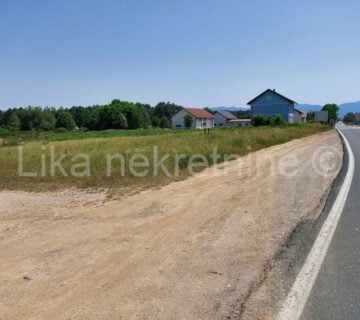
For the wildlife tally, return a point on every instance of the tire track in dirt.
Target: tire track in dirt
(190, 249)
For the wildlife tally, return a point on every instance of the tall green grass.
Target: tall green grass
(226, 141)
(19, 137)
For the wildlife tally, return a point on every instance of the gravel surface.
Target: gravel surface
(189, 250)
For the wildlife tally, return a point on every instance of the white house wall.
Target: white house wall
(220, 120)
(204, 123)
(177, 121)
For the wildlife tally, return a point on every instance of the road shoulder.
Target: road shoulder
(195, 247)
(268, 296)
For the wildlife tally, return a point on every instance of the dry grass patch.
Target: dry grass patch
(37, 157)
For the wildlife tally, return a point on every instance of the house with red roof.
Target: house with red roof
(201, 119)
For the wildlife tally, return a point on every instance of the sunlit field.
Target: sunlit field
(37, 159)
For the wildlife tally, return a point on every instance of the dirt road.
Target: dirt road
(189, 250)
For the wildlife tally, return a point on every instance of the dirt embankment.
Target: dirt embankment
(189, 250)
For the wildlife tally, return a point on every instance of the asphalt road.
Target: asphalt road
(336, 292)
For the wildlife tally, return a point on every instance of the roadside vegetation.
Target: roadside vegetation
(331, 108)
(36, 155)
(350, 118)
(277, 120)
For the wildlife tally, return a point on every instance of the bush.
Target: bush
(350, 118)
(267, 121)
(164, 123)
(278, 120)
(47, 122)
(188, 120)
(259, 120)
(65, 120)
(60, 130)
(6, 132)
(11, 120)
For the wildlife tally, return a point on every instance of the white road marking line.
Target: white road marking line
(300, 291)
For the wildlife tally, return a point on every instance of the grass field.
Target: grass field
(16, 138)
(36, 155)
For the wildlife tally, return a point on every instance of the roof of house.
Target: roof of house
(273, 91)
(200, 113)
(302, 112)
(240, 120)
(227, 115)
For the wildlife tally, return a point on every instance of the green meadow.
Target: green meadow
(57, 160)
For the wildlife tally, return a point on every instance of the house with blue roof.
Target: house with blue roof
(271, 103)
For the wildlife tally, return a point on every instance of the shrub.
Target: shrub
(11, 120)
(65, 120)
(164, 123)
(47, 122)
(350, 118)
(60, 130)
(188, 120)
(278, 120)
(267, 121)
(258, 120)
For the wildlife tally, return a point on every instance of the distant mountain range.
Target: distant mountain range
(344, 107)
(308, 107)
(349, 107)
(231, 108)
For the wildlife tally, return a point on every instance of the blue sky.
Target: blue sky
(192, 52)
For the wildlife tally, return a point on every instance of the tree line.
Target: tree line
(115, 115)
